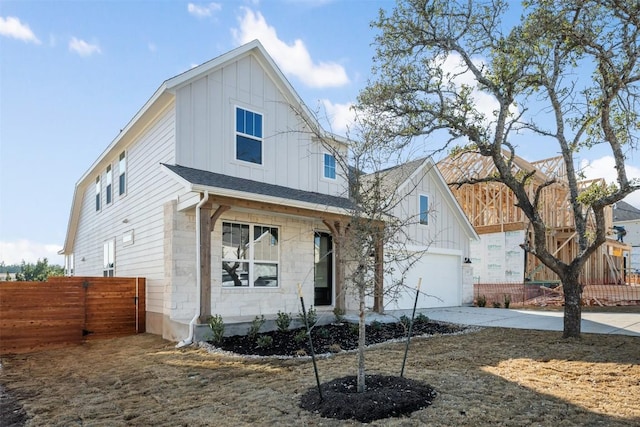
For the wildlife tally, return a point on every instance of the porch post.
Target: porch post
(205, 263)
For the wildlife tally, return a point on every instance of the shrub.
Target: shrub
(405, 321)
(481, 301)
(301, 336)
(312, 316)
(322, 333)
(216, 324)
(422, 318)
(264, 341)
(507, 301)
(354, 328)
(283, 321)
(376, 326)
(496, 304)
(339, 314)
(256, 324)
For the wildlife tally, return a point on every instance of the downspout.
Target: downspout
(192, 324)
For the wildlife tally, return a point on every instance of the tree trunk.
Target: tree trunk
(572, 305)
(361, 340)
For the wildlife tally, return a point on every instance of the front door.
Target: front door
(323, 268)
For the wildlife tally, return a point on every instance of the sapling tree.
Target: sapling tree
(374, 237)
(565, 74)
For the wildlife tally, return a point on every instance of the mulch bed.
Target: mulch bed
(331, 338)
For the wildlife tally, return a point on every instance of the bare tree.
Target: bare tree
(541, 62)
(374, 239)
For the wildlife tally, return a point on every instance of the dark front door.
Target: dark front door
(323, 268)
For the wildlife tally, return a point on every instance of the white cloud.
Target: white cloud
(604, 167)
(17, 251)
(340, 116)
(12, 27)
(294, 59)
(202, 11)
(83, 48)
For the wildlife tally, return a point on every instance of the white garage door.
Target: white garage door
(441, 284)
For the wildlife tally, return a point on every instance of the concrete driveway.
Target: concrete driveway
(592, 323)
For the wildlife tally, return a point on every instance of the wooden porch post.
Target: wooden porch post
(208, 222)
(205, 263)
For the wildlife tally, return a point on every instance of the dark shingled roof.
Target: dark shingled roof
(211, 179)
(623, 211)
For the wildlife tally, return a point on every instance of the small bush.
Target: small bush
(255, 327)
(322, 333)
(422, 318)
(496, 304)
(481, 301)
(300, 337)
(507, 301)
(405, 321)
(335, 348)
(354, 328)
(216, 324)
(375, 325)
(264, 341)
(339, 314)
(283, 321)
(312, 316)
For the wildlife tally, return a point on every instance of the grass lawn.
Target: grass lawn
(490, 376)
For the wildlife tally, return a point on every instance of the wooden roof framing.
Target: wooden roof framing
(492, 207)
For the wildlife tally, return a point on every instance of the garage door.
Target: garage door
(441, 278)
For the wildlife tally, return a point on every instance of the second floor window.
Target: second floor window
(424, 209)
(97, 193)
(248, 136)
(329, 166)
(122, 170)
(109, 179)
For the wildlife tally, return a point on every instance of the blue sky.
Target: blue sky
(73, 73)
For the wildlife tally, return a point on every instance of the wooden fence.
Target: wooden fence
(68, 310)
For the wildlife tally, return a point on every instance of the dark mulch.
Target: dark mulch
(331, 338)
(384, 397)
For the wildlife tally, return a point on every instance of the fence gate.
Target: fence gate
(113, 307)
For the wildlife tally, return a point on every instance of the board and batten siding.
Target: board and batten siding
(205, 129)
(139, 211)
(444, 230)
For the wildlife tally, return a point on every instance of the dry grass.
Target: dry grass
(489, 377)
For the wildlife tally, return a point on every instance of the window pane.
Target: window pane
(257, 125)
(240, 120)
(121, 183)
(329, 166)
(122, 166)
(249, 150)
(424, 210)
(265, 243)
(235, 274)
(248, 126)
(235, 241)
(108, 193)
(265, 275)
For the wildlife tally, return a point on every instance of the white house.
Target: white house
(627, 216)
(218, 195)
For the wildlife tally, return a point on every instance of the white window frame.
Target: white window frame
(236, 134)
(324, 166)
(109, 258)
(420, 212)
(251, 260)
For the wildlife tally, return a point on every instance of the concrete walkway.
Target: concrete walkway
(592, 323)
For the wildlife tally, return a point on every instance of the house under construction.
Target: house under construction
(491, 208)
